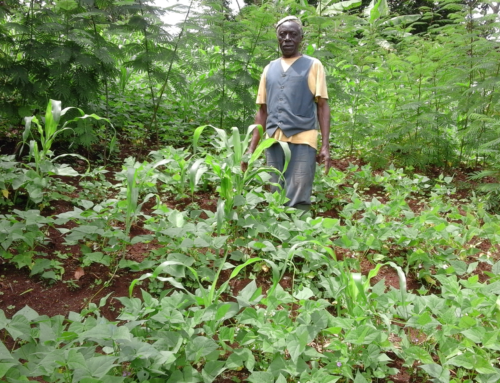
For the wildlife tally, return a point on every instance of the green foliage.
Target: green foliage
(414, 83)
(54, 52)
(306, 309)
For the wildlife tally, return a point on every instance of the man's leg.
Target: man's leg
(276, 158)
(299, 176)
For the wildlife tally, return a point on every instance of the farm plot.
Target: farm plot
(183, 268)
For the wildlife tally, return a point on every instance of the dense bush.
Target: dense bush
(419, 88)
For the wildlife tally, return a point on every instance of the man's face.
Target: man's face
(289, 38)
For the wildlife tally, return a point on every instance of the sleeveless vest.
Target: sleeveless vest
(290, 102)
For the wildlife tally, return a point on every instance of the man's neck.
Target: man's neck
(292, 56)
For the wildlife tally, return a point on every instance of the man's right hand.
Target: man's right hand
(244, 166)
(260, 119)
(244, 161)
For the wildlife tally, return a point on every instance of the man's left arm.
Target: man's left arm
(324, 126)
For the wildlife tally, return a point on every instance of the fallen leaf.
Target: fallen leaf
(79, 273)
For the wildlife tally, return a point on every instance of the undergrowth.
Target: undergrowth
(323, 316)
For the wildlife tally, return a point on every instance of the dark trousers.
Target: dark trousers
(298, 177)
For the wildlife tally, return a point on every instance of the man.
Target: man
(293, 100)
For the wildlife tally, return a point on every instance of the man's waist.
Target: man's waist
(307, 137)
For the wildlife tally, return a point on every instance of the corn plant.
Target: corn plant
(137, 178)
(40, 148)
(195, 172)
(179, 169)
(233, 181)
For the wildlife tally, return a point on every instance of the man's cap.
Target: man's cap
(293, 19)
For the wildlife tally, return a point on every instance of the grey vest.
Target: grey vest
(290, 102)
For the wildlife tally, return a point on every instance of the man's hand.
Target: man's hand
(260, 118)
(244, 166)
(249, 152)
(324, 157)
